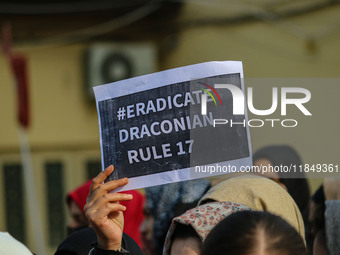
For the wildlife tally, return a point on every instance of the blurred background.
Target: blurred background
(71, 46)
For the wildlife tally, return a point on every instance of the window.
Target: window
(55, 202)
(14, 201)
(93, 168)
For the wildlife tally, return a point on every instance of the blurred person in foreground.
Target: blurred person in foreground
(10, 246)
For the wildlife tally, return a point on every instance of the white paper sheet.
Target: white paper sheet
(150, 145)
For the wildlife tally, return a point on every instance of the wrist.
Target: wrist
(109, 245)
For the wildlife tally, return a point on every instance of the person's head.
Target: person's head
(188, 231)
(253, 233)
(76, 200)
(260, 194)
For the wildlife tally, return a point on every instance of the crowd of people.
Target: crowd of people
(237, 214)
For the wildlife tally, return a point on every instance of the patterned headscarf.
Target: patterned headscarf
(203, 219)
(164, 200)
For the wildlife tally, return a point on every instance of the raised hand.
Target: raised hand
(104, 212)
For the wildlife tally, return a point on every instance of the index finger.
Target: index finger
(100, 178)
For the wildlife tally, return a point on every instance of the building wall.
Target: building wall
(63, 130)
(272, 54)
(64, 125)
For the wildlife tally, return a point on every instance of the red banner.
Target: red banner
(19, 67)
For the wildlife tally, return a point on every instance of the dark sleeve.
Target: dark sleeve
(80, 243)
(129, 247)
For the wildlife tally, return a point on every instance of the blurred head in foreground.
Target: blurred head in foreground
(9, 245)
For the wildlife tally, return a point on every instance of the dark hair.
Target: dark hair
(243, 232)
(184, 231)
